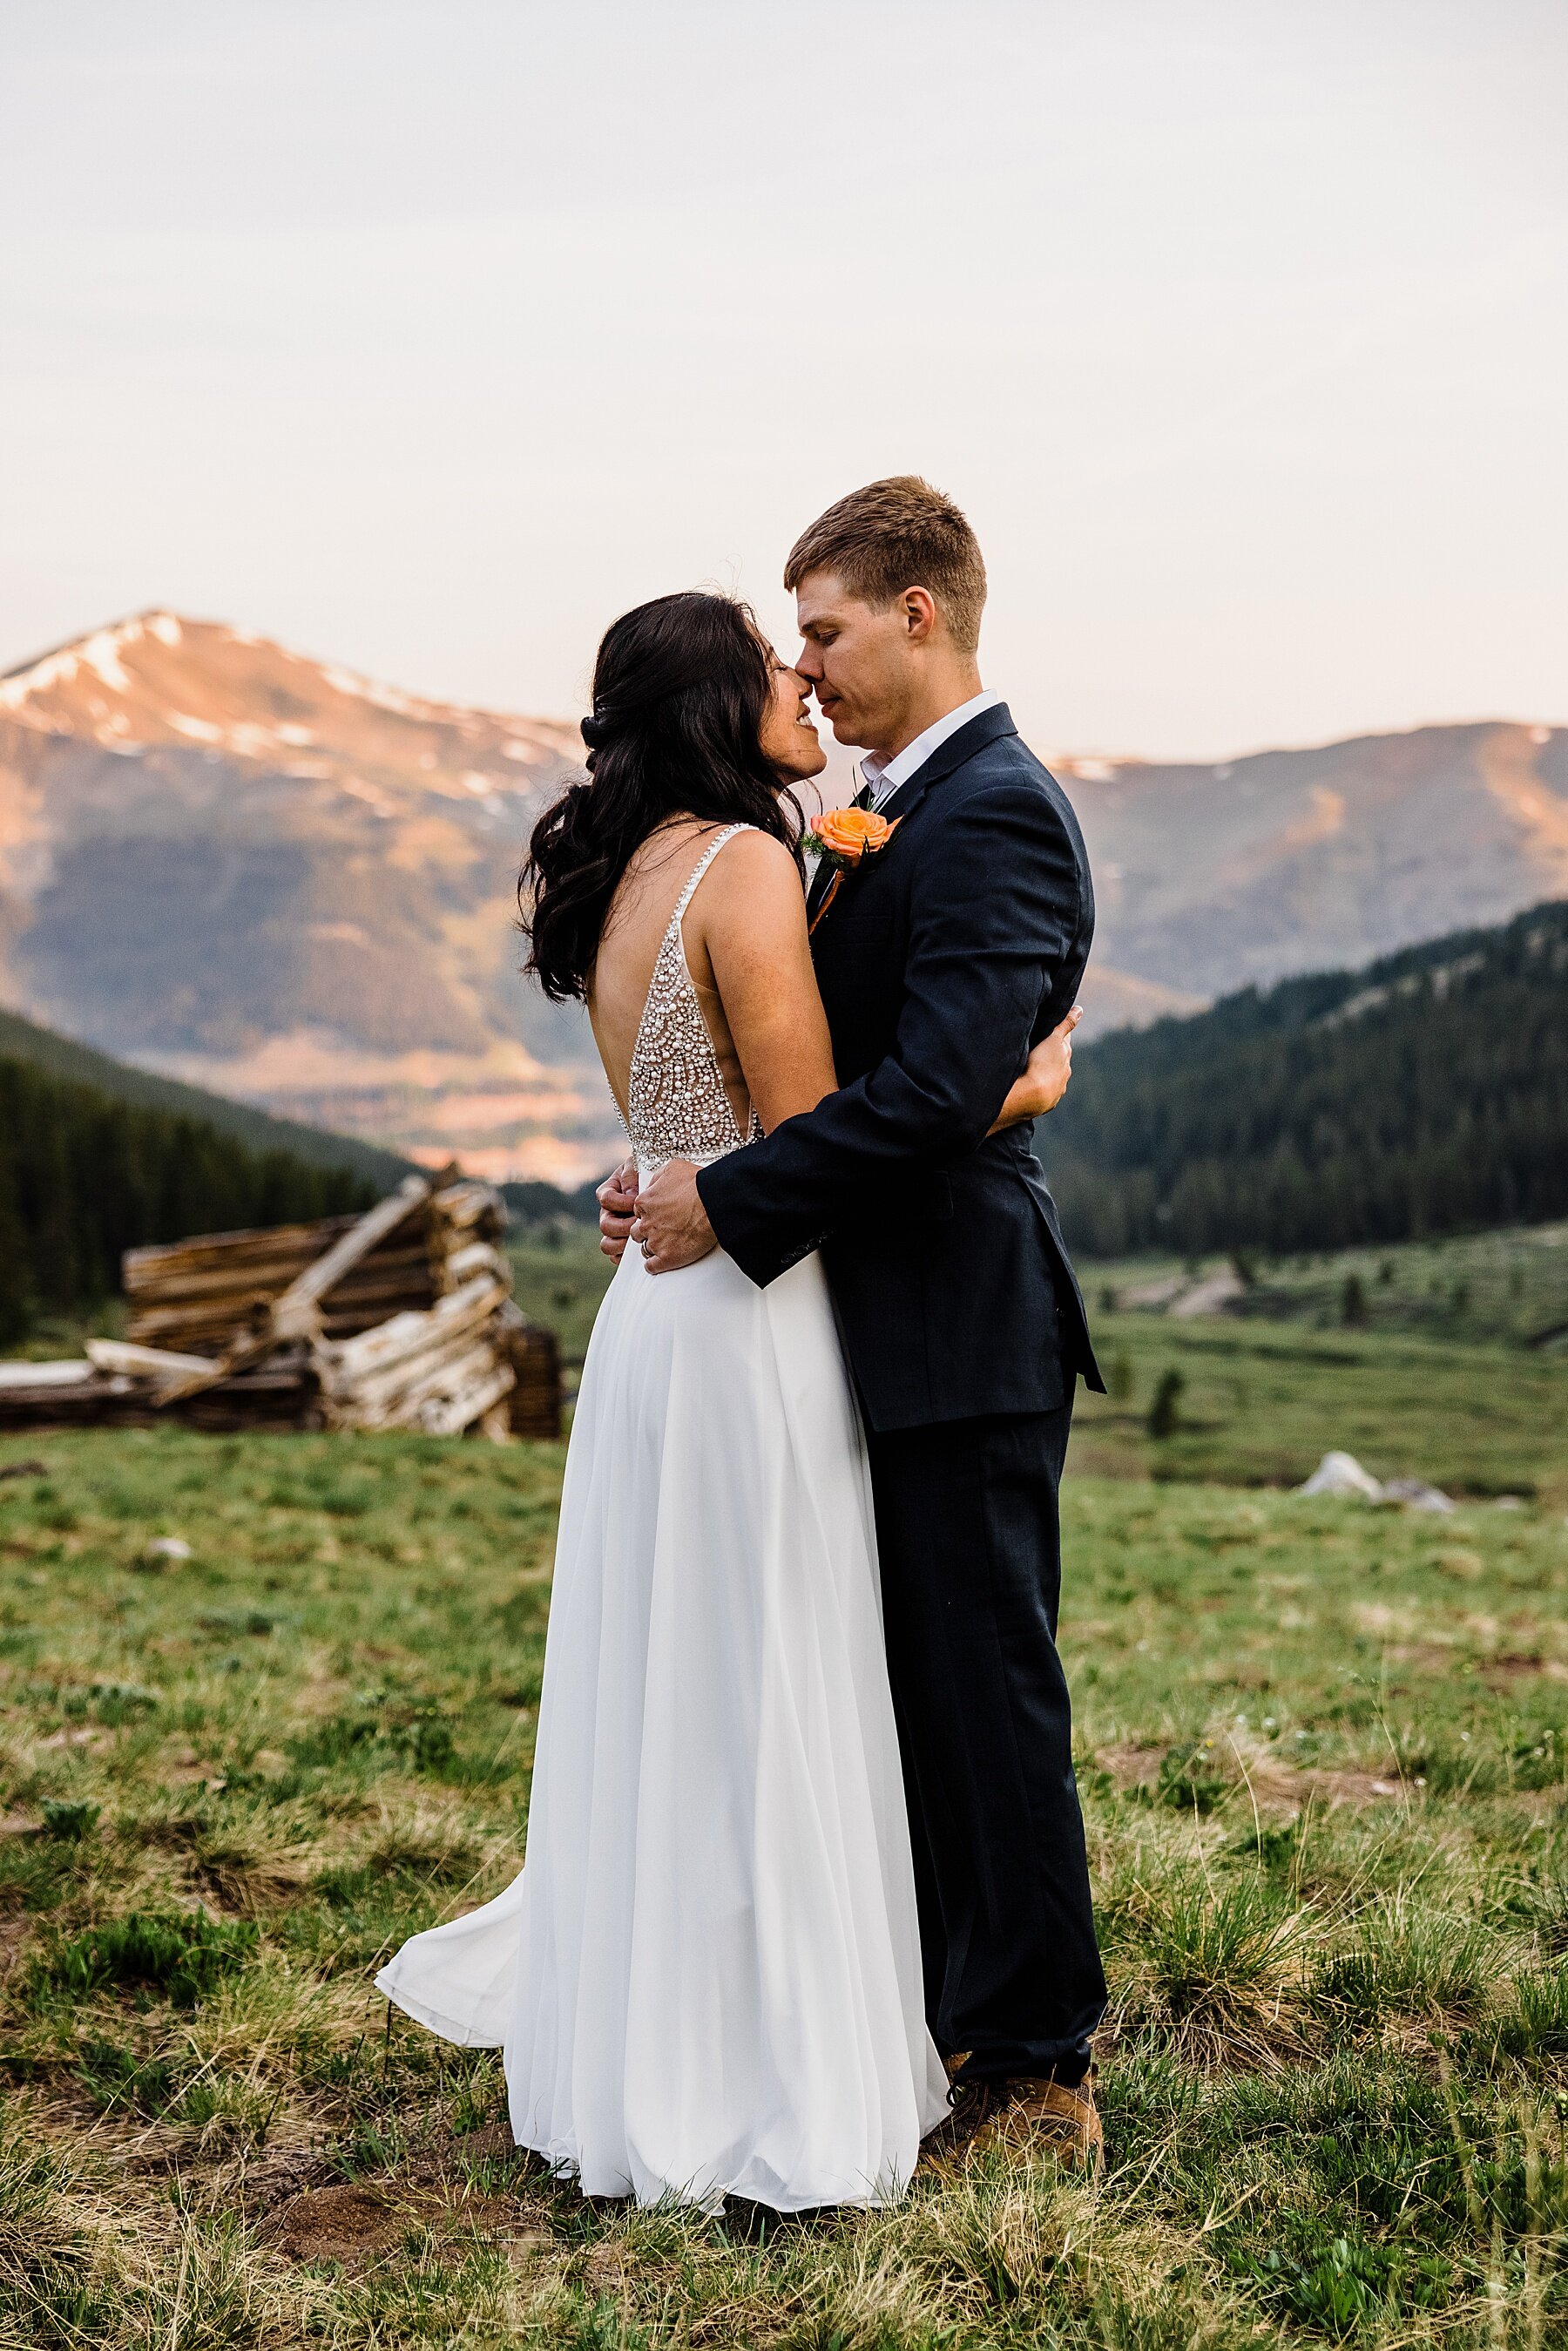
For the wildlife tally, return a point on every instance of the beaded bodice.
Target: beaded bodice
(677, 1107)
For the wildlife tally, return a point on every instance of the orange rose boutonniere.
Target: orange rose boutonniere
(844, 838)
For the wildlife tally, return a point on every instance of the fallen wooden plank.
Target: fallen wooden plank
(71, 1374)
(448, 1416)
(124, 1356)
(319, 1278)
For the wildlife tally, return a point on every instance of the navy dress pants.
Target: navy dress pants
(968, 1532)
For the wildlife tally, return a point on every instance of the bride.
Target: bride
(707, 1979)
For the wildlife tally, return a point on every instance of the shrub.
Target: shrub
(184, 1953)
(68, 1819)
(1163, 1417)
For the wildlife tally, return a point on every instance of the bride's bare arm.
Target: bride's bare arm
(752, 927)
(754, 931)
(748, 927)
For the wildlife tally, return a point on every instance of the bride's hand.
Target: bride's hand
(1044, 1080)
(617, 1196)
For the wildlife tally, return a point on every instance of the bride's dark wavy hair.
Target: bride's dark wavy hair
(681, 690)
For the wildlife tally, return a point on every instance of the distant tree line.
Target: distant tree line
(537, 1203)
(1425, 1094)
(63, 1056)
(84, 1176)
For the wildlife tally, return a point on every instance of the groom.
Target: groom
(941, 961)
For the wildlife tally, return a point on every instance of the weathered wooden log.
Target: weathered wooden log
(140, 1362)
(534, 1355)
(176, 1329)
(363, 1379)
(295, 1314)
(67, 1375)
(459, 1207)
(475, 1257)
(449, 1415)
(80, 1403)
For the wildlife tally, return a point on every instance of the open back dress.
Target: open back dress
(706, 1979)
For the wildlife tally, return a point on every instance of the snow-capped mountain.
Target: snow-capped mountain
(279, 881)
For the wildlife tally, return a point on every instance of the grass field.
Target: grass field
(1262, 1402)
(1323, 1766)
(1471, 1409)
(1507, 1287)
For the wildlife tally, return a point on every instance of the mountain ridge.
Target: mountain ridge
(1211, 875)
(288, 884)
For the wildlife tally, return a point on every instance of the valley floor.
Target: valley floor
(1322, 1754)
(1435, 1378)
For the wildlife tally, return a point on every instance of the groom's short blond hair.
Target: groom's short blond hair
(893, 535)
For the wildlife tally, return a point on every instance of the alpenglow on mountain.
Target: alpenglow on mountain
(274, 879)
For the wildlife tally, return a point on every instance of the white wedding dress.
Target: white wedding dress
(707, 1979)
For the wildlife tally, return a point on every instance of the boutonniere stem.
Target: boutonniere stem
(845, 837)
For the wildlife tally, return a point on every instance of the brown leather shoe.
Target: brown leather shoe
(1047, 2113)
(971, 2105)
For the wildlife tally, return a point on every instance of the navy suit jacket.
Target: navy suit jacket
(942, 962)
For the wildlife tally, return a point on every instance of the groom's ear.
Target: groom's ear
(920, 614)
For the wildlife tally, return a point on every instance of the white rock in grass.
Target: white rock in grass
(1415, 1494)
(1342, 1473)
(168, 1547)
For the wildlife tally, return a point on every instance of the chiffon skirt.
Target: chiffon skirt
(707, 1979)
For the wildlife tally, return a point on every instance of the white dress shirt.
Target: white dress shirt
(885, 776)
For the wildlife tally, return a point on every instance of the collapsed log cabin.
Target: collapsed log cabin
(402, 1318)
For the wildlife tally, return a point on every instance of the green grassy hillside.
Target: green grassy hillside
(1425, 1094)
(62, 1056)
(85, 1176)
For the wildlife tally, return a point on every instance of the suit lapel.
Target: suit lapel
(818, 890)
(988, 727)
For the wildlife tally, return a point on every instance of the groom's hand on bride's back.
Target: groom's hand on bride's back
(671, 1224)
(617, 1196)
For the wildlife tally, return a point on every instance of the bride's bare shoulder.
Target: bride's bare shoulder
(753, 866)
(752, 891)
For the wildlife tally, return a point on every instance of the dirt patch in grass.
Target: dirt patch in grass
(347, 2223)
(354, 2223)
(1276, 1784)
(1502, 1672)
(1130, 1766)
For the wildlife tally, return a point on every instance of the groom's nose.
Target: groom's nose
(808, 663)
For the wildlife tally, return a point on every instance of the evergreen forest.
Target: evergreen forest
(84, 1175)
(1425, 1094)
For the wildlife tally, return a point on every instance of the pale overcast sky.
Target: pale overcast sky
(427, 337)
